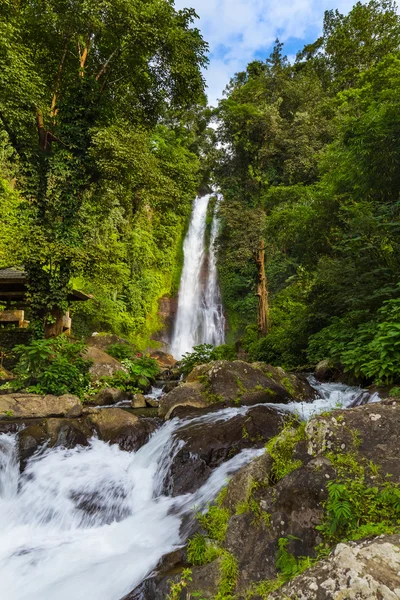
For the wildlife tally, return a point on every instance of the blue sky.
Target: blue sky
(241, 30)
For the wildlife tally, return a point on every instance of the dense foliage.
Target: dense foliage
(102, 122)
(55, 366)
(313, 169)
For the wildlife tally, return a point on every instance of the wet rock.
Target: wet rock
(67, 433)
(29, 440)
(209, 444)
(103, 365)
(118, 426)
(240, 484)
(152, 402)
(365, 570)
(169, 386)
(31, 406)
(158, 585)
(235, 383)
(107, 397)
(138, 401)
(326, 372)
(187, 394)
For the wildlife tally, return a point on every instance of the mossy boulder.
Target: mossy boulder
(365, 570)
(207, 444)
(103, 365)
(282, 494)
(228, 383)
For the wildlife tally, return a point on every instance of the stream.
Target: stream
(92, 522)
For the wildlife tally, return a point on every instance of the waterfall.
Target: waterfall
(200, 318)
(92, 522)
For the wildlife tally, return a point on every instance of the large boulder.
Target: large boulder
(103, 341)
(365, 570)
(121, 427)
(34, 406)
(165, 360)
(274, 498)
(107, 397)
(187, 394)
(207, 444)
(235, 383)
(103, 365)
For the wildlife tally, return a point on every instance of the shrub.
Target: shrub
(206, 353)
(121, 351)
(55, 366)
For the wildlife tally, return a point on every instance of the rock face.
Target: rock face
(103, 365)
(209, 444)
(31, 406)
(265, 507)
(361, 571)
(234, 383)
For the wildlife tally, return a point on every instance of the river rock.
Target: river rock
(365, 570)
(235, 383)
(31, 406)
(103, 365)
(138, 401)
(326, 372)
(121, 427)
(186, 394)
(208, 444)
(293, 507)
(106, 397)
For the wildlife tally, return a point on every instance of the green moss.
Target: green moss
(201, 551)
(177, 588)
(288, 385)
(228, 577)
(281, 449)
(215, 522)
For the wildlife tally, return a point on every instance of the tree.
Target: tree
(78, 67)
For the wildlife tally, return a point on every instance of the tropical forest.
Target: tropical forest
(199, 300)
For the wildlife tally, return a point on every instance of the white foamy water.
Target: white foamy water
(200, 318)
(91, 523)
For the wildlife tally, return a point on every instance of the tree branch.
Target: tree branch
(105, 65)
(53, 111)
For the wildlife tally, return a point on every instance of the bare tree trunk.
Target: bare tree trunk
(84, 56)
(262, 293)
(54, 328)
(53, 110)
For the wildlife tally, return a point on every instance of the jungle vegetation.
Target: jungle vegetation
(310, 165)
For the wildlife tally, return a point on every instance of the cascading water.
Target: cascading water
(92, 522)
(200, 318)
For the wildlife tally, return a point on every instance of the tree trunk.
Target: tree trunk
(54, 328)
(262, 293)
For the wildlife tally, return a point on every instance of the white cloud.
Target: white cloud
(237, 30)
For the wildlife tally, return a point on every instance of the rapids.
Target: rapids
(92, 522)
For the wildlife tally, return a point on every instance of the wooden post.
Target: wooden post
(262, 293)
(54, 328)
